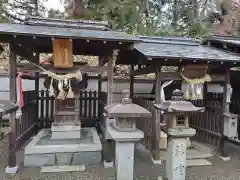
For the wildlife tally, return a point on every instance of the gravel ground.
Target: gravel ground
(143, 170)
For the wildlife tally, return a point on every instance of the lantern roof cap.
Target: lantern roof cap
(126, 109)
(177, 104)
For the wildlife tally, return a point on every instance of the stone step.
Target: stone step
(55, 169)
(67, 113)
(191, 154)
(196, 154)
(198, 162)
(65, 127)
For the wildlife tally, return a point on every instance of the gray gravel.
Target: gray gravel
(143, 170)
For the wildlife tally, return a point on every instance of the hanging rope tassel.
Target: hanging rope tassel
(61, 94)
(187, 94)
(70, 94)
(199, 91)
(51, 90)
(193, 97)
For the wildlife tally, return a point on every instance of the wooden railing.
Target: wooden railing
(26, 126)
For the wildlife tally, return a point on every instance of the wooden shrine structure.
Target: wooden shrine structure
(152, 54)
(144, 55)
(37, 35)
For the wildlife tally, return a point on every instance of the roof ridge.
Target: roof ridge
(77, 24)
(170, 40)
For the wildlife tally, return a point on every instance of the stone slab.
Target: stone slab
(65, 127)
(38, 160)
(33, 148)
(55, 169)
(191, 154)
(88, 158)
(198, 162)
(64, 158)
(66, 134)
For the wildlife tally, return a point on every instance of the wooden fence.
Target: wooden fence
(90, 108)
(207, 124)
(26, 126)
(147, 124)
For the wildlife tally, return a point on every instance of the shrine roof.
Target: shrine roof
(223, 40)
(7, 107)
(55, 28)
(176, 48)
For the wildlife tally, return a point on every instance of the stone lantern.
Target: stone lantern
(178, 131)
(123, 130)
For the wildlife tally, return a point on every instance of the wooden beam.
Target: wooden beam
(25, 52)
(176, 76)
(146, 70)
(24, 67)
(102, 60)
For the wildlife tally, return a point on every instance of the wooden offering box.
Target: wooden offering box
(62, 53)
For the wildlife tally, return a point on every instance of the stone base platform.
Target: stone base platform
(195, 157)
(45, 151)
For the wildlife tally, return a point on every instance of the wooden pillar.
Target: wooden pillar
(13, 98)
(109, 143)
(110, 80)
(205, 93)
(157, 117)
(131, 81)
(37, 93)
(225, 109)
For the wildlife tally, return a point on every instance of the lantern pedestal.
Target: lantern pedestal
(176, 153)
(124, 152)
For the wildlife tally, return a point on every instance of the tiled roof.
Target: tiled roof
(65, 29)
(230, 40)
(181, 48)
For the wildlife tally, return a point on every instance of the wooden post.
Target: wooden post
(225, 109)
(131, 81)
(109, 143)
(205, 93)
(157, 116)
(110, 80)
(37, 93)
(12, 164)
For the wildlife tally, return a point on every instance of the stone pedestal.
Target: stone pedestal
(124, 152)
(124, 160)
(176, 159)
(177, 153)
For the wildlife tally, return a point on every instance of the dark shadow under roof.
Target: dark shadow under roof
(41, 27)
(153, 48)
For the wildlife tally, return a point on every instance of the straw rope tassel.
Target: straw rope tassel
(187, 94)
(61, 94)
(70, 94)
(51, 90)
